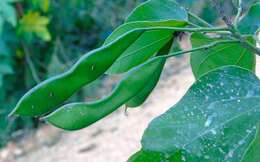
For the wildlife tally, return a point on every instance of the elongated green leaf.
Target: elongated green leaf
(79, 115)
(141, 50)
(215, 121)
(221, 55)
(250, 23)
(253, 152)
(143, 24)
(149, 14)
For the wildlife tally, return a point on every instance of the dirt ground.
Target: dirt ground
(112, 139)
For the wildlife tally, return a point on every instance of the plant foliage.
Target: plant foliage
(216, 120)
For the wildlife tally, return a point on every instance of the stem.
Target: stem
(235, 33)
(30, 64)
(243, 41)
(199, 19)
(205, 47)
(28, 60)
(206, 29)
(239, 12)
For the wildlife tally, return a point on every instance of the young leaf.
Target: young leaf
(34, 24)
(220, 55)
(215, 121)
(250, 23)
(155, 13)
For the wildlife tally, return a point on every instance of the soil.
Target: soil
(112, 139)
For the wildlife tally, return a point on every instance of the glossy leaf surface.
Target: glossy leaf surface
(221, 55)
(215, 121)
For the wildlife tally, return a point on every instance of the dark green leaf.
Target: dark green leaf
(221, 55)
(141, 50)
(150, 156)
(149, 14)
(250, 23)
(158, 10)
(215, 121)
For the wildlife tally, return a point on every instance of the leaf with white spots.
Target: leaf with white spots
(215, 121)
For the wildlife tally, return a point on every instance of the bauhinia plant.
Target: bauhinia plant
(216, 120)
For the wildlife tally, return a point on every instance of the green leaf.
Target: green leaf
(44, 5)
(144, 47)
(221, 55)
(158, 10)
(151, 156)
(149, 14)
(7, 12)
(33, 23)
(143, 24)
(250, 23)
(215, 120)
(1, 25)
(252, 153)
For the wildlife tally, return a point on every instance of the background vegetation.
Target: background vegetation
(40, 38)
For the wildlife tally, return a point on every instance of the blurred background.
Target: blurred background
(41, 38)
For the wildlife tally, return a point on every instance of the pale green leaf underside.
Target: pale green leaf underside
(215, 121)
